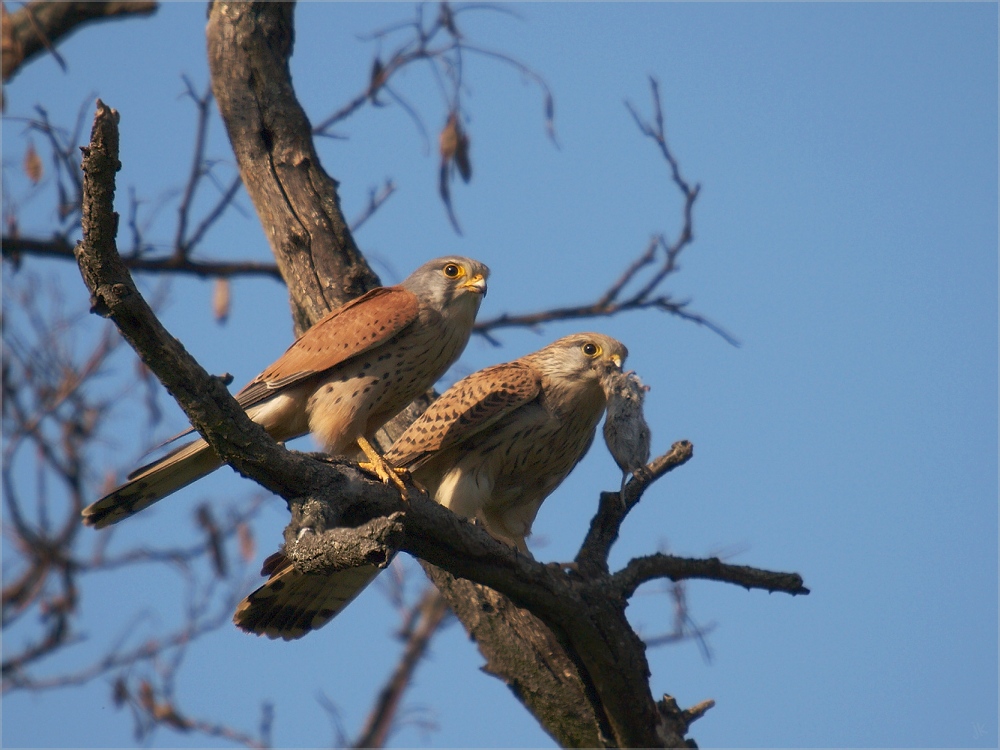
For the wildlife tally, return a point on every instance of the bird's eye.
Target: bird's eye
(453, 271)
(591, 349)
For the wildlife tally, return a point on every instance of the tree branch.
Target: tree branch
(649, 568)
(646, 296)
(58, 247)
(39, 25)
(611, 512)
(429, 613)
(347, 511)
(249, 47)
(205, 400)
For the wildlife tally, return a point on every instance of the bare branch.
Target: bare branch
(40, 25)
(685, 628)
(203, 102)
(375, 202)
(47, 407)
(152, 709)
(649, 568)
(611, 512)
(647, 295)
(16, 247)
(440, 44)
(428, 614)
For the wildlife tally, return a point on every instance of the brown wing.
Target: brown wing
(471, 405)
(360, 325)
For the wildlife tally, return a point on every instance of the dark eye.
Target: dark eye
(591, 349)
(452, 270)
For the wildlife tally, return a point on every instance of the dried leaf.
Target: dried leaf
(221, 300)
(248, 547)
(550, 115)
(448, 140)
(33, 164)
(146, 696)
(454, 145)
(462, 156)
(166, 713)
(216, 547)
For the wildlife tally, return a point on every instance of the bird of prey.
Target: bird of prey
(342, 379)
(492, 448)
(625, 429)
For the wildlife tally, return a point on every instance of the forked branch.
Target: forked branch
(647, 273)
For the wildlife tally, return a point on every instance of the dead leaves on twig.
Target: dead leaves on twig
(454, 149)
(33, 164)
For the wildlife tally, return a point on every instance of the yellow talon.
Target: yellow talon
(378, 466)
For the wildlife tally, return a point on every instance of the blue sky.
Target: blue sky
(847, 235)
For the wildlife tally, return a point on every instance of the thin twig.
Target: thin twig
(647, 295)
(14, 247)
(375, 201)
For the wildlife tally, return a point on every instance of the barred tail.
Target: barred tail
(152, 482)
(293, 603)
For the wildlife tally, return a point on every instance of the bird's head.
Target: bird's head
(583, 356)
(445, 282)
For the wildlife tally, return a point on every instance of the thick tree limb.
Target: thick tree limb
(249, 45)
(522, 652)
(39, 25)
(206, 402)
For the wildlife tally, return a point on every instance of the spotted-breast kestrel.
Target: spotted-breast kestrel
(492, 447)
(625, 429)
(341, 380)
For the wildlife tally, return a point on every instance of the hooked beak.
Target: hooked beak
(617, 360)
(476, 285)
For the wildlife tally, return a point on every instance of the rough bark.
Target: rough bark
(522, 652)
(249, 46)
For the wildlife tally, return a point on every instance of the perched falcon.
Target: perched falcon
(492, 447)
(341, 380)
(625, 429)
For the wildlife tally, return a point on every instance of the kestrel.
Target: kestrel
(342, 379)
(492, 447)
(625, 429)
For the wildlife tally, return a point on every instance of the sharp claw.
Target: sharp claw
(381, 468)
(388, 474)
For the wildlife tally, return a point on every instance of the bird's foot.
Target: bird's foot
(388, 474)
(378, 466)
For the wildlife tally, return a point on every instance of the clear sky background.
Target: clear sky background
(846, 234)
